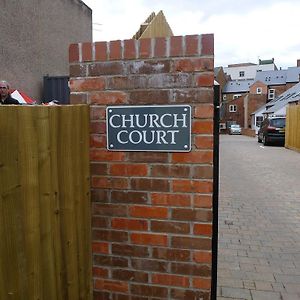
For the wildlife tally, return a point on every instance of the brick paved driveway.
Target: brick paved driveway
(259, 221)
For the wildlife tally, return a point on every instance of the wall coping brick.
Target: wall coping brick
(175, 46)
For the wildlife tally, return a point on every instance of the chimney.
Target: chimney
(298, 62)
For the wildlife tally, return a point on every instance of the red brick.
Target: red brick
(192, 186)
(127, 275)
(81, 98)
(191, 45)
(108, 97)
(146, 184)
(170, 227)
(109, 285)
(202, 283)
(110, 183)
(176, 44)
(160, 47)
(149, 265)
(149, 239)
(98, 169)
(97, 127)
(170, 171)
(190, 269)
(107, 68)
(207, 44)
(191, 243)
(193, 157)
(203, 229)
(204, 111)
(109, 209)
(147, 157)
(202, 257)
(99, 195)
(194, 64)
(148, 212)
(101, 51)
(129, 224)
(74, 53)
(202, 172)
(129, 197)
(97, 113)
(88, 84)
(129, 170)
(205, 80)
(87, 51)
(149, 291)
(129, 49)
(170, 199)
(100, 222)
(130, 250)
(200, 95)
(150, 96)
(115, 51)
(98, 141)
(204, 201)
(79, 70)
(104, 155)
(100, 272)
(204, 142)
(188, 294)
(110, 236)
(191, 215)
(171, 254)
(174, 280)
(203, 127)
(145, 48)
(100, 247)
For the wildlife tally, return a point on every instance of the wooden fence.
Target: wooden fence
(292, 133)
(45, 232)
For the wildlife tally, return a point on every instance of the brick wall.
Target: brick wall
(152, 211)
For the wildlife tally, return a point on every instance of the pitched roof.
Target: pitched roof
(272, 77)
(290, 95)
(238, 86)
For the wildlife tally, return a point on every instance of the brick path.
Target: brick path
(259, 221)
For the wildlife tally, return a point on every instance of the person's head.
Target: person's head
(4, 89)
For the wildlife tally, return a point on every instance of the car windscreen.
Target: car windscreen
(278, 122)
(235, 126)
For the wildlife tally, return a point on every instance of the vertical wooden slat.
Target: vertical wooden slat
(29, 179)
(66, 161)
(45, 249)
(46, 200)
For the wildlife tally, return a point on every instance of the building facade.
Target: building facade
(35, 39)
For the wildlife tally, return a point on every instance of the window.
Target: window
(242, 73)
(232, 108)
(259, 90)
(236, 96)
(271, 94)
(224, 97)
(258, 120)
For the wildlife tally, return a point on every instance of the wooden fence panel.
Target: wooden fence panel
(292, 134)
(45, 223)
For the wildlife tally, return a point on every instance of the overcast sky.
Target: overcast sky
(244, 30)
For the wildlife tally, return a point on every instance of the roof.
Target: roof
(276, 77)
(293, 74)
(238, 86)
(259, 109)
(289, 96)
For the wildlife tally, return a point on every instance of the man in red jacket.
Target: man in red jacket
(5, 97)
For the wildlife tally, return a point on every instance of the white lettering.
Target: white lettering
(153, 119)
(172, 132)
(111, 121)
(161, 136)
(138, 134)
(119, 137)
(162, 122)
(183, 120)
(130, 120)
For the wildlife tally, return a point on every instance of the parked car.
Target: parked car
(272, 130)
(235, 129)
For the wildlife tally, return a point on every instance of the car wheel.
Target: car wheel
(265, 141)
(259, 139)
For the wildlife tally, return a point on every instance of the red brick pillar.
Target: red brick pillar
(152, 211)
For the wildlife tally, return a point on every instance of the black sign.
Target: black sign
(149, 128)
